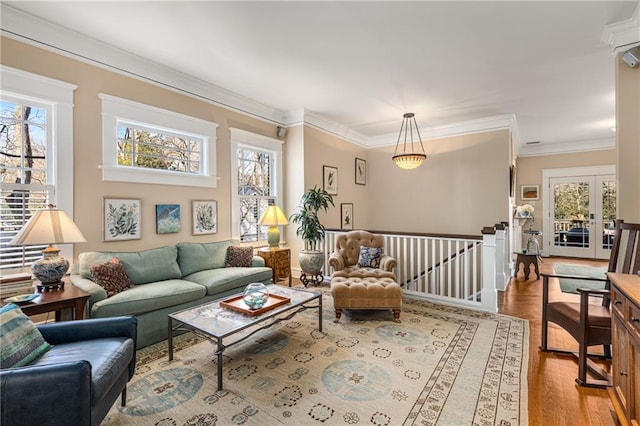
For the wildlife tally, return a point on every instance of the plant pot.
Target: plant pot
(311, 261)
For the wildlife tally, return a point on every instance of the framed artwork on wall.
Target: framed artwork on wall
(330, 179)
(346, 216)
(167, 218)
(529, 192)
(204, 217)
(122, 219)
(361, 171)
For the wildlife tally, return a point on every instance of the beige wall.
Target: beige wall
(628, 140)
(89, 189)
(460, 188)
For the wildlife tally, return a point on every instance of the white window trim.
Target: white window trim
(117, 109)
(59, 96)
(251, 140)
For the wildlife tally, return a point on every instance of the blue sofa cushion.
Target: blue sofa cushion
(225, 279)
(109, 358)
(20, 341)
(149, 297)
(143, 267)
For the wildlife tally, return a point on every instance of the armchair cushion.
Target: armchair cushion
(20, 341)
(369, 257)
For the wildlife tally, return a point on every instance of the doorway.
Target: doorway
(581, 212)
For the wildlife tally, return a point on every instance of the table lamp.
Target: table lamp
(49, 226)
(273, 217)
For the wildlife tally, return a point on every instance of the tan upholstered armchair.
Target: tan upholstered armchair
(344, 260)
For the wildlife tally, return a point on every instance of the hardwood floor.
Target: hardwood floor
(554, 397)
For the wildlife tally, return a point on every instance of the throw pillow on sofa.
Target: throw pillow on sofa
(112, 276)
(369, 257)
(20, 341)
(238, 257)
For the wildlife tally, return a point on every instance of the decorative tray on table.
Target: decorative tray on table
(237, 304)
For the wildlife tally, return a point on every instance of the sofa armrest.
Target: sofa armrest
(387, 263)
(336, 261)
(30, 394)
(257, 261)
(96, 291)
(74, 331)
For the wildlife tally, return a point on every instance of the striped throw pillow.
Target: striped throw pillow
(20, 341)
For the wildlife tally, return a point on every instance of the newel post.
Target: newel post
(501, 247)
(489, 294)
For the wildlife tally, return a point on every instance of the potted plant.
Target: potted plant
(311, 259)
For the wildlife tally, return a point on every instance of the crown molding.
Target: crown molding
(506, 121)
(567, 147)
(621, 35)
(37, 32)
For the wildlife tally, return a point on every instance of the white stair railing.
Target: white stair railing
(461, 270)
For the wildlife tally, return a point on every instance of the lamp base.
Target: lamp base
(50, 286)
(51, 268)
(273, 236)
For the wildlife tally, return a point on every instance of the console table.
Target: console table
(625, 322)
(527, 259)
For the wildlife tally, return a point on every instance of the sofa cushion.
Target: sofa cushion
(112, 276)
(109, 358)
(238, 257)
(226, 279)
(369, 257)
(194, 257)
(143, 267)
(147, 298)
(20, 340)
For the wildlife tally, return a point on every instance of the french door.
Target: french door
(582, 210)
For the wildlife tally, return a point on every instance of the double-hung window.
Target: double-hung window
(256, 168)
(145, 144)
(36, 137)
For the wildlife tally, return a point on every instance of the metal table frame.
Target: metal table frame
(270, 317)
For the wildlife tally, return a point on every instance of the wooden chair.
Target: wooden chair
(590, 324)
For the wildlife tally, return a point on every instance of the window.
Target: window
(149, 145)
(256, 162)
(31, 153)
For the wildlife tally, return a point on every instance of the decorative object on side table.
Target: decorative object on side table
(273, 217)
(49, 226)
(525, 211)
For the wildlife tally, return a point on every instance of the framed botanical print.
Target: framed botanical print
(204, 217)
(346, 216)
(361, 171)
(122, 219)
(330, 179)
(167, 218)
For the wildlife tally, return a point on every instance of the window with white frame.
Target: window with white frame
(145, 144)
(256, 164)
(36, 136)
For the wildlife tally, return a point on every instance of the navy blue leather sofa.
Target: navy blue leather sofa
(78, 380)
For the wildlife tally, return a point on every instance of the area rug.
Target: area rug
(571, 285)
(440, 366)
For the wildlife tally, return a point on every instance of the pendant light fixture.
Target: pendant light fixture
(409, 158)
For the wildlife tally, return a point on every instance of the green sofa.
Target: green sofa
(167, 279)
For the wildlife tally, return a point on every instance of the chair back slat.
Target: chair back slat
(627, 235)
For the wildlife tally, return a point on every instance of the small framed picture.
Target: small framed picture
(204, 217)
(361, 171)
(167, 218)
(529, 192)
(330, 179)
(122, 219)
(346, 216)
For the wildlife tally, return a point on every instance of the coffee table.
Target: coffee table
(216, 323)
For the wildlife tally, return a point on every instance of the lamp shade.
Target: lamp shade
(48, 226)
(273, 216)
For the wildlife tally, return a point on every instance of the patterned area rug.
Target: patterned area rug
(439, 366)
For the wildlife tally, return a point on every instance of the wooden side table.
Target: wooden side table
(70, 297)
(279, 260)
(527, 259)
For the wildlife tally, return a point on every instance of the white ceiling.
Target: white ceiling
(361, 65)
